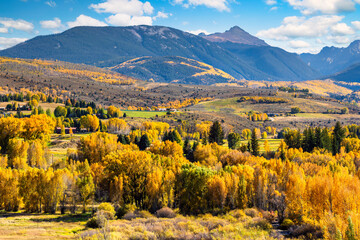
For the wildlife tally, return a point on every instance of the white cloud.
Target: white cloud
(51, 3)
(9, 42)
(273, 8)
(220, 5)
(197, 32)
(51, 24)
(19, 24)
(127, 20)
(294, 27)
(4, 30)
(84, 20)
(323, 6)
(356, 24)
(299, 44)
(342, 29)
(129, 7)
(162, 15)
(271, 2)
(339, 39)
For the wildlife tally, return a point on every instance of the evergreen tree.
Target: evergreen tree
(350, 231)
(338, 136)
(326, 140)
(216, 133)
(233, 140)
(144, 142)
(188, 150)
(254, 143)
(317, 138)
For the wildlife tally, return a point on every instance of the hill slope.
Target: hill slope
(172, 69)
(109, 46)
(235, 35)
(272, 60)
(351, 74)
(332, 60)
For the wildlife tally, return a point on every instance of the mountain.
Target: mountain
(110, 46)
(274, 61)
(332, 59)
(172, 69)
(351, 74)
(235, 35)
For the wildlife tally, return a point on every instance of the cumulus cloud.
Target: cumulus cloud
(162, 15)
(342, 29)
(356, 24)
(84, 20)
(129, 7)
(299, 44)
(220, 5)
(339, 39)
(4, 30)
(9, 42)
(127, 20)
(323, 6)
(128, 12)
(294, 27)
(197, 32)
(51, 24)
(19, 24)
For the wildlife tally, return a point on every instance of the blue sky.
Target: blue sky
(295, 25)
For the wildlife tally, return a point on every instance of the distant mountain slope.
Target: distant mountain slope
(235, 35)
(110, 46)
(351, 74)
(272, 60)
(332, 60)
(173, 69)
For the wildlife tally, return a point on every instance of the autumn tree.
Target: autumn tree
(114, 112)
(85, 183)
(90, 122)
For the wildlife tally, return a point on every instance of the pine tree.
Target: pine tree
(254, 143)
(216, 134)
(326, 140)
(188, 150)
(144, 142)
(233, 140)
(338, 136)
(350, 231)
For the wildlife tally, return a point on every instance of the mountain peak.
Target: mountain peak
(236, 35)
(235, 29)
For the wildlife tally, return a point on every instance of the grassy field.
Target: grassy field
(231, 105)
(39, 227)
(143, 114)
(237, 224)
(273, 144)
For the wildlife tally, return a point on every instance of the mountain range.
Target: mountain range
(110, 46)
(331, 60)
(165, 54)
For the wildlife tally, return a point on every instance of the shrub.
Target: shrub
(165, 213)
(286, 224)
(92, 223)
(306, 231)
(107, 210)
(262, 224)
(130, 216)
(237, 213)
(251, 212)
